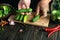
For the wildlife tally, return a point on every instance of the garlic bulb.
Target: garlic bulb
(12, 23)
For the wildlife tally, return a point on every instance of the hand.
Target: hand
(43, 6)
(24, 4)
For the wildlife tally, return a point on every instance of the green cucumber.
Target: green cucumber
(58, 17)
(54, 12)
(35, 18)
(24, 10)
(21, 17)
(6, 9)
(17, 17)
(6, 12)
(25, 18)
(1, 13)
(29, 10)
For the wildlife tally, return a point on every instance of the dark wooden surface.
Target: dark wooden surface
(29, 33)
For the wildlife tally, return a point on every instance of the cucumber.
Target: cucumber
(1, 13)
(6, 12)
(17, 17)
(58, 17)
(24, 10)
(6, 9)
(29, 10)
(35, 18)
(21, 17)
(25, 18)
(54, 12)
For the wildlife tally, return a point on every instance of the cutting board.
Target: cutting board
(42, 22)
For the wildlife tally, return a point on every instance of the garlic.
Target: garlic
(12, 23)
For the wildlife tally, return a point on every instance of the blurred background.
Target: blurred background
(14, 3)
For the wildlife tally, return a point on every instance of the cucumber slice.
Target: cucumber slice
(36, 18)
(17, 17)
(21, 17)
(25, 18)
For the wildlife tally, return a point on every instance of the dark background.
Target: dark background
(14, 3)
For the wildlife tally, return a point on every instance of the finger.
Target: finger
(27, 3)
(44, 13)
(22, 13)
(27, 7)
(38, 10)
(23, 6)
(19, 5)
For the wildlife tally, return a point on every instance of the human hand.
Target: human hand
(24, 4)
(43, 6)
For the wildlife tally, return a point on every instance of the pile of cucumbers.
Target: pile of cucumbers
(56, 15)
(55, 10)
(22, 17)
(4, 10)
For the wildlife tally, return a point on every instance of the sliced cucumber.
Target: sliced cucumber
(25, 18)
(21, 17)
(36, 18)
(17, 17)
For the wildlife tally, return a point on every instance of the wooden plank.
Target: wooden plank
(44, 22)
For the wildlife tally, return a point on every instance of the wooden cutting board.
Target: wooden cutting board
(44, 22)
